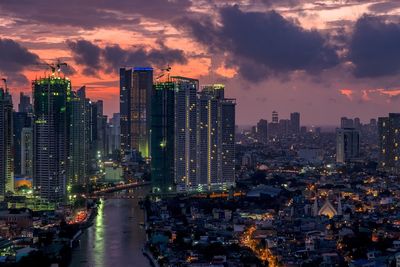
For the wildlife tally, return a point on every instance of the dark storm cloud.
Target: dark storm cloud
(375, 47)
(384, 7)
(87, 54)
(112, 57)
(15, 58)
(90, 13)
(264, 41)
(115, 57)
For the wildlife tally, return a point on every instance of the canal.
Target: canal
(116, 237)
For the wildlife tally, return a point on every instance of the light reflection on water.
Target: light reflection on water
(116, 238)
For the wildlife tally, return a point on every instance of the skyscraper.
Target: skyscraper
(273, 127)
(114, 133)
(50, 131)
(193, 132)
(101, 125)
(6, 143)
(21, 120)
(162, 137)
(78, 138)
(357, 123)
(216, 135)
(346, 123)
(27, 152)
(227, 161)
(389, 140)
(295, 123)
(185, 131)
(347, 144)
(262, 131)
(135, 107)
(275, 117)
(24, 103)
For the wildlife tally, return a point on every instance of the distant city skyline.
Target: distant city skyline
(337, 68)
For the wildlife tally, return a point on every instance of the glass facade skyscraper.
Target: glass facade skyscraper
(79, 136)
(6, 143)
(50, 132)
(162, 137)
(135, 107)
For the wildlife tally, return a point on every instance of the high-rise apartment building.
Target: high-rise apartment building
(78, 138)
(389, 142)
(135, 108)
(50, 132)
(185, 132)
(216, 139)
(197, 131)
(6, 143)
(347, 144)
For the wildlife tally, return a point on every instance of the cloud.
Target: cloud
(266, 43)
(375, 47)
(87, 54)
(384, 7)
(91, 14)
(110, 58)
(14, 59)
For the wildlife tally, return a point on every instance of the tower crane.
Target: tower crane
(5, 84)
(165, 70)
(54, 67)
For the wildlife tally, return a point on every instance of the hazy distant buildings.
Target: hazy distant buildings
(389, 140)
(346, 123)
(50, 130)
(284, 127)
(275, 117)
(6, 143)
(262, 131)
(135, 108)
(347, 144)
(114, 134)
(273, 127)
(295, 123)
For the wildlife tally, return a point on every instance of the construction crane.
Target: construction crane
(54, 67)
(5, 84)
(164, 71)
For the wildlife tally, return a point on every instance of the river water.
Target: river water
(116, 237)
